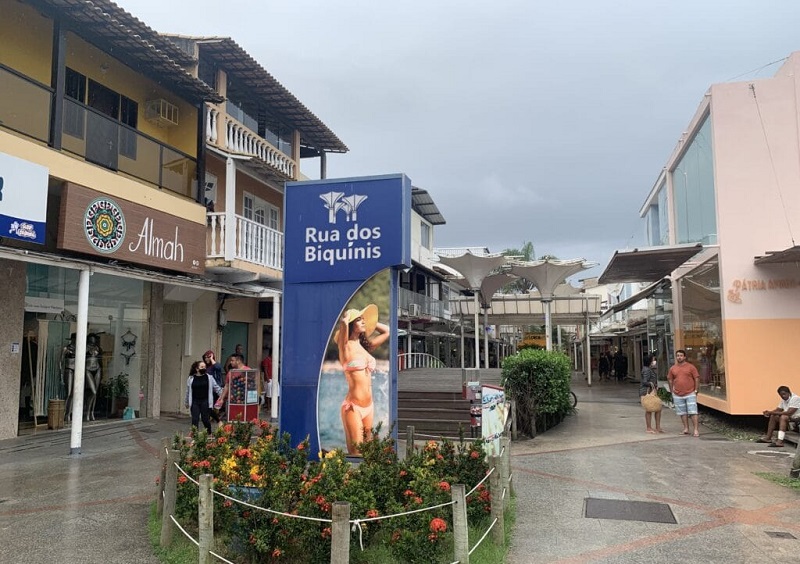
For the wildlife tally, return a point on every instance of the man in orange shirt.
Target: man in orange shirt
(683, 383)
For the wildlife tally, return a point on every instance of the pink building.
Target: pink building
(723, 219)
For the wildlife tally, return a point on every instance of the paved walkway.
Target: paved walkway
(93, 508)
(724, 511)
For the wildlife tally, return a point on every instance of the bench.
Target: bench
(793, 433)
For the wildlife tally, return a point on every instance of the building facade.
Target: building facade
(725, 211)
(141, 213)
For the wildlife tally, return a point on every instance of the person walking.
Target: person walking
(200, 388)
(602, 367)
(683, 381)
(214, 369)
(650, 382)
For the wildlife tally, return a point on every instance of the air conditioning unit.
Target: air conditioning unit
(161, 112)
(414, 310)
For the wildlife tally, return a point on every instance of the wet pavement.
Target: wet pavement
(94, 507)
(724, 511)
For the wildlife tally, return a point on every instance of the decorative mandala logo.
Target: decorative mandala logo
(104, 225)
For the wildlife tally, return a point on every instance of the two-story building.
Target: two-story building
(116, 243)
(721, 220)
(254, 139)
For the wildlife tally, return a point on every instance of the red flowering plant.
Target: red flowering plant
(249, 461)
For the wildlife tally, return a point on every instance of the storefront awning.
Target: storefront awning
(792, 254)
(650, 264)
(644, 294)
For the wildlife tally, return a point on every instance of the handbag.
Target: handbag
(650, 401)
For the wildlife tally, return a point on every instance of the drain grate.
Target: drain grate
(624, 510)
(780, 535)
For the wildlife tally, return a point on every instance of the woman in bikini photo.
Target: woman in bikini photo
(358, 334)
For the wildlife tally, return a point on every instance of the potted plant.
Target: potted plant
(120, 391)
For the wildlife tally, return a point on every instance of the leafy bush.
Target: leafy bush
(249, 462)
(539, 382)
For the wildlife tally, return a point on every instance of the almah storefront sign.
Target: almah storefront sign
(94, 223)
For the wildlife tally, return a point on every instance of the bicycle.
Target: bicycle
(574, 399)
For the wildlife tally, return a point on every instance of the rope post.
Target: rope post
(795, 471)
(496, 488)
(460, 525)
(340, 533)
(163, 476)
(505, 448)
(205, 518)
(170, 493)
(409, 441)
(513, 420)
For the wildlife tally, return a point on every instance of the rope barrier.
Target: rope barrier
(486, 477)
(188, 536)
(215, 555)
(188, 477)
(357, 522)
(480, 540)
(317, 519)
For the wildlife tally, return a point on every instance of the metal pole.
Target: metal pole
(276, 357)
(587, 357)
(477, 328)
(462, 342)
(548, 326)
(79, 376)
(485, 338)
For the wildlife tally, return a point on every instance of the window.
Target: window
(693, 188)
(425, 235)
(701, 322)
(74, 115)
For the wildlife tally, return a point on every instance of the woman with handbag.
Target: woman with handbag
(648, 396)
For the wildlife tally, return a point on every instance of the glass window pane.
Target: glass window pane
(693, 187)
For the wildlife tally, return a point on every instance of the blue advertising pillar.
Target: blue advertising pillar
(345, 240)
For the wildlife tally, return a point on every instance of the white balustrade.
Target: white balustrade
(255, 243)
(239, 139)
(215, 240)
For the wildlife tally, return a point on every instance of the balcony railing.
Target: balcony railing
(407, 361)
(254, 243)
(113, 145)
(24, 105)
(426, 306)
(235, 137)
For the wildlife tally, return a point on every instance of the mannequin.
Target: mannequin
(67, 368)
(94, 372)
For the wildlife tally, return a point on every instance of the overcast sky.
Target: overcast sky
(525, 120)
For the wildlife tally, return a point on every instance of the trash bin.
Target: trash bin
(55, 413)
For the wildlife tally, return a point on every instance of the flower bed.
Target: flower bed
(248, 459)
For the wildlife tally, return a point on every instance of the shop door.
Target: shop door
(173, 376)
(235, 333)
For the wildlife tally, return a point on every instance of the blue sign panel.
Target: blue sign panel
(346, 229)
(339, 234)
(23, 199)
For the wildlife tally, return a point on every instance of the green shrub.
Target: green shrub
(539, 382)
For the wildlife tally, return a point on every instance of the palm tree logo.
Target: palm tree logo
(337, 201)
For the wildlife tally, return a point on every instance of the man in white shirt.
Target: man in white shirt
(787, 410)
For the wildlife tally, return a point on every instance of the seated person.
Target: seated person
(787, 410)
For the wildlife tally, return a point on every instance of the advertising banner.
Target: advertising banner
(23, 199)
(494, 413)
(344, 241)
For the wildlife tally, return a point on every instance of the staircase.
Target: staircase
(431, 400)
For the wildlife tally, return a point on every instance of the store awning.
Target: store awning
(650, 264)
(792, 254)
(644, 294)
